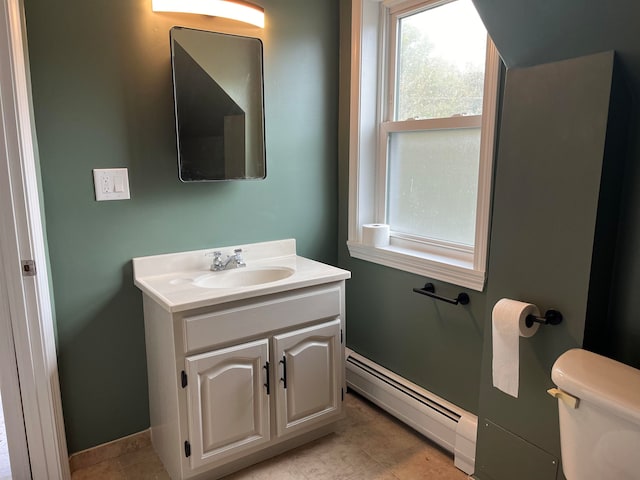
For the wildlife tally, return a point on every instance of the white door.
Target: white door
(13, 438)
(228, 404)
(309, 374)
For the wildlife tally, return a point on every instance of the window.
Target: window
(424, 88)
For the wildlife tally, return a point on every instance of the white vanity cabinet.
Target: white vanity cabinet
(235, 383)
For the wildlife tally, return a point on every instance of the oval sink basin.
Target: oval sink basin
(243, 277)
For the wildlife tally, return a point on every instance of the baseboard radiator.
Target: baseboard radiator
(451, 427)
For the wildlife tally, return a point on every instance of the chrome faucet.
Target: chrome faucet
(232, 261)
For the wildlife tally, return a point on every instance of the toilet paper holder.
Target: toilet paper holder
(551, 317)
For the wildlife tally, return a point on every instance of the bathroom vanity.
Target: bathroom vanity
(244, 363)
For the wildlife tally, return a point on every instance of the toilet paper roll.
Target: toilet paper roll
(508, 321)
(375, 235)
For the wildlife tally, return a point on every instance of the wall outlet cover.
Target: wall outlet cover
(111, 184)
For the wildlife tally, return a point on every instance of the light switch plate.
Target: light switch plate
(111, 183)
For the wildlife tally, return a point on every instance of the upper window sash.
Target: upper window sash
(396, 10)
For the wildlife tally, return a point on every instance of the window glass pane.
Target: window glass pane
(440, 62)
(433, 183)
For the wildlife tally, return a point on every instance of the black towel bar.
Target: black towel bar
(430, 291)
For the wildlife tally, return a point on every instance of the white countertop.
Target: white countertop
(169, 278)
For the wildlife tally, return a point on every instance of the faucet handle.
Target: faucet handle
(239, 260)
(216, 263)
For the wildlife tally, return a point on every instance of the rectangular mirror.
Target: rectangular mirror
(219, 105)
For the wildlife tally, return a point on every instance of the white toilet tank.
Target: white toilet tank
(600, 439)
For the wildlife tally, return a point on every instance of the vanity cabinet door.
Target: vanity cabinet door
(308, 365)
(228, 405)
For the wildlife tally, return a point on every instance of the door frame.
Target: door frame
(22, 238)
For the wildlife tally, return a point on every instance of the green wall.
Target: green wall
(530, 33)
(102, 98)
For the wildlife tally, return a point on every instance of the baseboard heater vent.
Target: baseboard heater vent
(451, 427)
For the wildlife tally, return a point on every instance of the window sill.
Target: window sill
(456, 272)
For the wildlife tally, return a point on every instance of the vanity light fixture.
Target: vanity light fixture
(234, 9)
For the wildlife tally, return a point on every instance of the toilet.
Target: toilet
(599, 413)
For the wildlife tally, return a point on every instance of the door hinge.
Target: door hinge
(183, 379)
(341, 337)
(342, 393)
(28, 268)
(187, 449)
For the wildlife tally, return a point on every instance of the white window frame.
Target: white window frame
(456, 264)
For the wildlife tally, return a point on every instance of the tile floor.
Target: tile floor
(368, 445)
